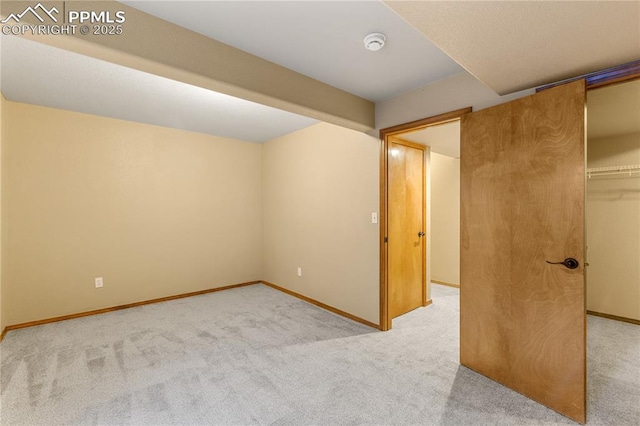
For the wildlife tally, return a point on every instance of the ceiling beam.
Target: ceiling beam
(156, 46)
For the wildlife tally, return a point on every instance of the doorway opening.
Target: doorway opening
(613, 202)
(420, 134)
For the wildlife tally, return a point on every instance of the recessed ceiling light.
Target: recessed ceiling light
(374, 41)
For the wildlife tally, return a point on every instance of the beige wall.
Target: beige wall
(320, 186)
(154, 211)
(445, 218)
(3, 128)
(458, 91)
(613, 229)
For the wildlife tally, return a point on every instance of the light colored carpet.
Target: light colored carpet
(253, 355)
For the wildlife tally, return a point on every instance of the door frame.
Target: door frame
(385, 134)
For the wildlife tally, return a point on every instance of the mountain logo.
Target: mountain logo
(34, 11)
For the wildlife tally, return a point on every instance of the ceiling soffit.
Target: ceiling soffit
(156, 46)
(516, 45)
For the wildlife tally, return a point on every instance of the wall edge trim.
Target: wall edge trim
(445, 283)
(322, 305)
(182, 296)
(614, 317)
(120, 307)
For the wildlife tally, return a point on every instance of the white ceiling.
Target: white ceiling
(443, 139)
(38, 74)
(321, 39)
(515, 45)
(613, 110)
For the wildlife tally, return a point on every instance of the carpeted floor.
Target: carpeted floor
(254, 355)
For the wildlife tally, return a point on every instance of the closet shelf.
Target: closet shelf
(613, 170)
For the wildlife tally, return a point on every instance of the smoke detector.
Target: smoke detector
(374, 41)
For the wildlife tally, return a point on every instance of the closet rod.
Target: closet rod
(613, 170)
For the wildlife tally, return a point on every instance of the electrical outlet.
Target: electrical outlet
(299, 271)
(99, 282)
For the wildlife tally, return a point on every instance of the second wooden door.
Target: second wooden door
(406, 234)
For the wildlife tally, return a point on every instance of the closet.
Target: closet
(613, 201)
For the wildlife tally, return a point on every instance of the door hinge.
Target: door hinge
(386, 239)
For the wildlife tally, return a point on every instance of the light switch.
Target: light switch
(374, 217)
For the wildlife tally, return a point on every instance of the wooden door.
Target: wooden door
(522, 204)
(407, 260)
